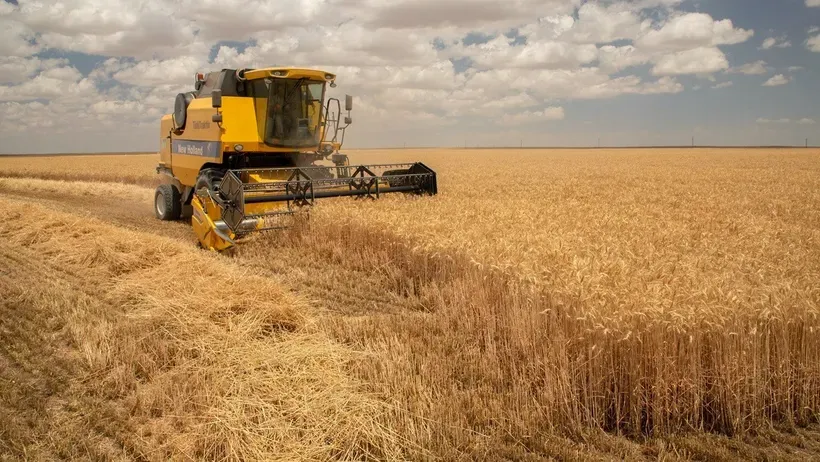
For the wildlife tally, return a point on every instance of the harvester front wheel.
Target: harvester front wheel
(209, 179)
(167, 203)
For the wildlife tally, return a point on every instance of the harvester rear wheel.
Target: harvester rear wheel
(167, 202)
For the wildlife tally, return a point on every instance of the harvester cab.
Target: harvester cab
(244, 151)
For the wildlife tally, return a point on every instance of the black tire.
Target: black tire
(209, 178)
(167, 203)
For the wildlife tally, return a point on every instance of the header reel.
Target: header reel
(248, 200)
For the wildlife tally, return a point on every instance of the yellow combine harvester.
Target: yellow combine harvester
(240, 153)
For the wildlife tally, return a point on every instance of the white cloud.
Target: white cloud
(775, 42)
(755, 68)
(528, 117)
(14, 69)
(812, 3)
(15, 38)
(664, 85)
(693, 30)
(785, 121)
(585, 83)
(795, 68)
(813, 43)
(777, 81)
(695, 61)
(600, 24)
(49, 85)
(153, 72)
(113, 27)
(618, 58)
(521, 100)
(407, 14)
(500, 53)
(723, 85)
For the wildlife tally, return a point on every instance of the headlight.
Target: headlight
(278, 73)
(238, 147)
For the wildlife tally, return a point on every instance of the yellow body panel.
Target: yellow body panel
(243, 123)
(205, 213)
(289, 73)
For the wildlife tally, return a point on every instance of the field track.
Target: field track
(107, 314)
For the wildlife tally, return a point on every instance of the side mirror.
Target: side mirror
(216, 98)
(348, 121)
(348, 103)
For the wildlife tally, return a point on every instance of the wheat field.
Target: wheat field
(548, 304)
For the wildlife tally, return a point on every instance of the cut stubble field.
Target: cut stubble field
(596, 304)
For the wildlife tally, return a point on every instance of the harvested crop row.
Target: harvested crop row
(163, 351)
(133, 169)
(35, 186)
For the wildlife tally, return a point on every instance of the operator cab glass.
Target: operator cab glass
(294, 112)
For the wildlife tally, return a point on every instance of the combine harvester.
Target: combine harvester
(240, 153)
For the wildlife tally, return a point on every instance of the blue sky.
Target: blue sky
(96, 75)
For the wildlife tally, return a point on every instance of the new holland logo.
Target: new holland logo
(196, 148)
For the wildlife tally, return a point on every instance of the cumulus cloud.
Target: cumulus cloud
(603, 24)
(775, 42)
(813, 43)
(409, 14)
(49, 85)
(16, 39)
(500, 52)
(773, 121)
(533, 117)
(723, 85)
(695, 61)
(693, 30)
(755, 68)
(777, 81)
(14, 69)
(154, 72)
(812, 3)
(618, 58)
(786, 121)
